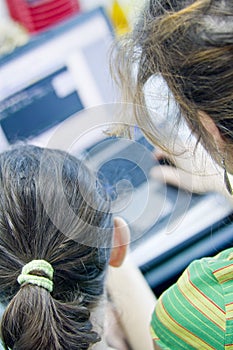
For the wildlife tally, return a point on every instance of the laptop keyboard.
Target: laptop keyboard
(123, 168)
(114, 171)
(160, 216)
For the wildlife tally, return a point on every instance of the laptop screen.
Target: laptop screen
(59, 73)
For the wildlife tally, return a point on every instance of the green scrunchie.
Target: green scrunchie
(40, 281)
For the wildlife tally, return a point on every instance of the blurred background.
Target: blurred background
(20, 19)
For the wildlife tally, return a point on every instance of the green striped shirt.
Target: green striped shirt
(197, 311)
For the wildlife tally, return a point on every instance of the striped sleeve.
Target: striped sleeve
(191, 314)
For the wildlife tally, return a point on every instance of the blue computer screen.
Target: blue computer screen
(56, 75)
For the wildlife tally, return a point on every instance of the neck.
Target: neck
(98, 318)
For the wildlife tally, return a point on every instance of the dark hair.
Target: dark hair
(190, 44)
(36, 188)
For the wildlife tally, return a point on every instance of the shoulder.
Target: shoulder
(202, 276)
(195, 301)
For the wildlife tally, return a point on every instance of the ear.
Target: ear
(121, 238)
(212, 129)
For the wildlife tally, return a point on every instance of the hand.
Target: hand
(187, 172)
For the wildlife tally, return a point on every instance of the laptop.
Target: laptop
(57, 92)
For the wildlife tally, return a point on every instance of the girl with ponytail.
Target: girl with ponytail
(57, 238)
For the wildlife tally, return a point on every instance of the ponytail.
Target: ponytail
(35, 320)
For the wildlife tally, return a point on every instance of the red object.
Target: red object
(36, 15)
